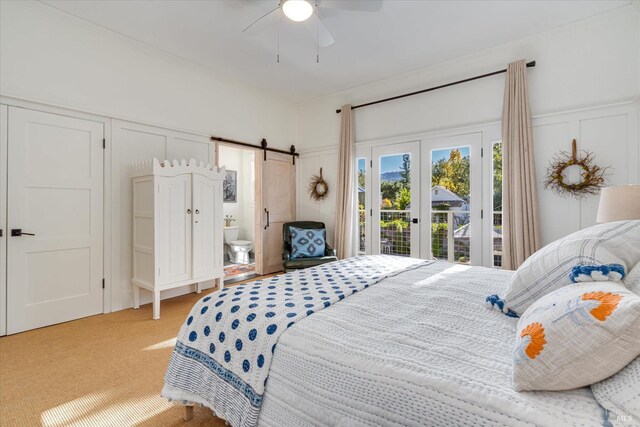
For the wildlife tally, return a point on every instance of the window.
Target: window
(362, 192)
(496, 231)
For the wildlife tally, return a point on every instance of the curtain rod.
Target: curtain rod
(262, 146)
(529, 64)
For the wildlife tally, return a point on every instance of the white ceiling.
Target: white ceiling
(401, 37)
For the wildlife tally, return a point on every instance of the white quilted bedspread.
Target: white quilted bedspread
(416, 349)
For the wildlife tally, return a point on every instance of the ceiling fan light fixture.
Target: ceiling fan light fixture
(297, 10)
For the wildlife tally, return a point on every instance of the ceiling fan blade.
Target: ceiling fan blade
(357, 5)
(261, 18)
(317, 28)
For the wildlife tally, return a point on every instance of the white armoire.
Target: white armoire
(177, 226)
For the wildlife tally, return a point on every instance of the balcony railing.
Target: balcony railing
(450, 234)
(395, 232)
(497, 239)
(362, 231)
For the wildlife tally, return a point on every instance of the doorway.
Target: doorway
(396, 189)
(452, 185)
(264, 200)
(422, 199)
(239, 212)
(54, 218)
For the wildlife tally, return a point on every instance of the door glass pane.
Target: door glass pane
(451, 204)
(362, 192)
(496, 233)
(395, 204)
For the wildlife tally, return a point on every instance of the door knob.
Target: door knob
(17, 232)
(197, 211)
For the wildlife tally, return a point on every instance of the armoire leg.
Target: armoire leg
(156, 305)
(221, 283)
(198, 287)
(136, 297)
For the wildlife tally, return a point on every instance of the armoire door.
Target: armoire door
(54, 217)
(173, 229)
(278, 199)
(207, 238)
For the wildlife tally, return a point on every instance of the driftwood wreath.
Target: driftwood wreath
(575, 174)
(318, 187)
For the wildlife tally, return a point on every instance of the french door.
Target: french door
(452, 198)
(422, 199)
(393, 201)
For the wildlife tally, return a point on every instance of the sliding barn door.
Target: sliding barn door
(278, 205)
(54, 217)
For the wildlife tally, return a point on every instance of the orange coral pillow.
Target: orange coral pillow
(576, 336)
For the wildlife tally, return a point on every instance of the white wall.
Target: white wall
(589, 63)
(54, 58)
(609, 132)
(57, 60)
(307, 165)
(592, 63)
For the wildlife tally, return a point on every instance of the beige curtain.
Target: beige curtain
(344, 193)
(521, 232)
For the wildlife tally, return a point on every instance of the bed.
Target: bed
(413, 345)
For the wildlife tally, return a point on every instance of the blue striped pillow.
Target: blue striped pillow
(613, 243)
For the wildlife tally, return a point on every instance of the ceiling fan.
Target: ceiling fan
(308, 11)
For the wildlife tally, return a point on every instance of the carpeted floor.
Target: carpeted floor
(104, 370)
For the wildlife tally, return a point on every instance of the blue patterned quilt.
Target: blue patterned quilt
(224, 349)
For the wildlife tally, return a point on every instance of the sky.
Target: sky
(393, 163)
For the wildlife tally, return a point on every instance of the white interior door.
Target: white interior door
(278, 199)
(207, 261)
(173, 222)
(55, 193)
(3, 220)
(452, 198)
(395, 199)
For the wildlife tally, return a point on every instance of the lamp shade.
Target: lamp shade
(619, 203)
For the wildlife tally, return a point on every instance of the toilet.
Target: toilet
(238, 250)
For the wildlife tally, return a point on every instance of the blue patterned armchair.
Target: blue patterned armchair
(288, 262)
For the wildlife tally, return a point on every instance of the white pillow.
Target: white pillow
(620, 393)
(632, 279)
(575, 336)
(549, 268)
